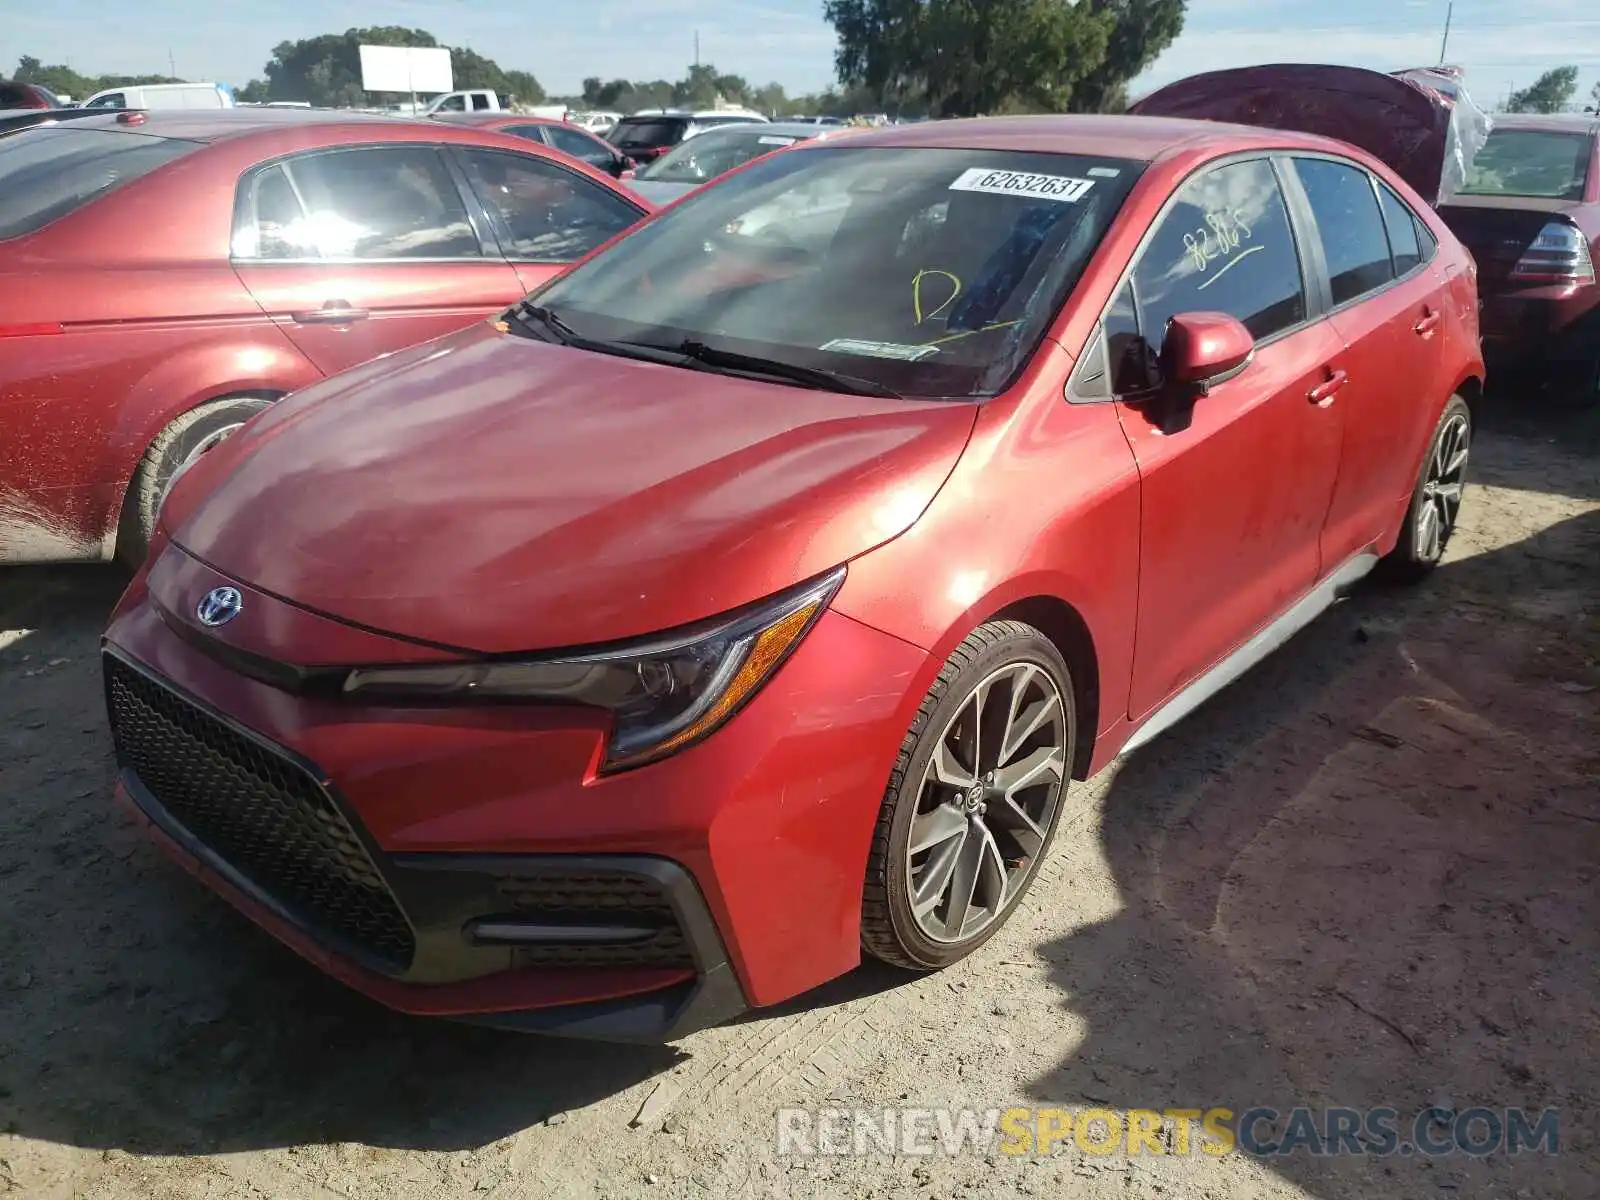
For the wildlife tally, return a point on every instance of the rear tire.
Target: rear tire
(973, 800)
(190, 435)
(1436, 501)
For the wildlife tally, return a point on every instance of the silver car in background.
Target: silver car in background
(705, 155)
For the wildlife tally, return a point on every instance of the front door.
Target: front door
(1233, 505)
(359, 252)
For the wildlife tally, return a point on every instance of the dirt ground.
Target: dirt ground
(1365, 875)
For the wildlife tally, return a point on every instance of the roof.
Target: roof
(1554, 122)
(795, 129)
(1139, 138)
(490, 118)
(213, 124)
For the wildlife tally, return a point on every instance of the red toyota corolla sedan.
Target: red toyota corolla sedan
(747, 597)
(164, 276)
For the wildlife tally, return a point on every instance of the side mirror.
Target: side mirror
(1202, 349)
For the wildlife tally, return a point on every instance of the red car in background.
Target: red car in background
(747, 599)
(166, 275)
(14, 94)
(1530, 215)
(562, 136)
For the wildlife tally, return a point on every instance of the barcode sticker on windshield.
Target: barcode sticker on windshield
(1023, 183)
(775, 141)
(879, 349)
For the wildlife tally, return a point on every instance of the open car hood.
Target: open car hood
(1420, 123)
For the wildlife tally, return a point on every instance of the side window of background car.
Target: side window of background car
(570, 141)
(1225, 245)
(531, 133)
(1351, 226)
(378, 203)
(542, 212)
(1402, 224)
(114, 100)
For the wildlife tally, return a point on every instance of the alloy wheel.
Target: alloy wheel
(1441, 489)
(986, 802)
(206, 443)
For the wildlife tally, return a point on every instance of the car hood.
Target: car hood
(493, 493)
(659, 191)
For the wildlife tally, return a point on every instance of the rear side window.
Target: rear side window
(578, 145)
(1354, 240)
(47, 173)
(1402, 223)
(541, 212)
(396, 202)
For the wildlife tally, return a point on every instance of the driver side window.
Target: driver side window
(1225, 245)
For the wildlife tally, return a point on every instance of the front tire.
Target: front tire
(973, 800)
(1436, 500)
(190, 435)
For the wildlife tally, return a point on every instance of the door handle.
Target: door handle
(1322, 394)
(1428, 323)
(334, 312)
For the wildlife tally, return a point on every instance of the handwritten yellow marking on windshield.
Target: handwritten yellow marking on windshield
(916, 294)
(1230, 266)
(956, 337)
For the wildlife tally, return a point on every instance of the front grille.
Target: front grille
(597, 899)
(260, 813)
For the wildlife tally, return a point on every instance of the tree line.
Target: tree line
(901, 57)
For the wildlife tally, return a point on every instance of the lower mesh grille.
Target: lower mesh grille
(609, 898)
(257, 811)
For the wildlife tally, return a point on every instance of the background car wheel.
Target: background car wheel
(973, 800)
(1436, 502)
(178, 445)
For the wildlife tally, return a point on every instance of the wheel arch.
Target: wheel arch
(1066, 628)
(127, 507)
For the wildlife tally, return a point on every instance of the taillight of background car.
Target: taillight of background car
(1559, 255)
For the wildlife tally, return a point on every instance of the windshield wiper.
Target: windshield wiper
(535, 315)
(812, 377)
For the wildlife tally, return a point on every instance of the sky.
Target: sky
(1502, 45)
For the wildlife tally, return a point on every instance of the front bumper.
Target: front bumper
(395, 849)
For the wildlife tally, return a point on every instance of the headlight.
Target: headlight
(662, 694)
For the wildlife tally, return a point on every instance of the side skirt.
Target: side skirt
(1283, 627)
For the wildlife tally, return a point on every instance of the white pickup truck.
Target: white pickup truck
(486, 100)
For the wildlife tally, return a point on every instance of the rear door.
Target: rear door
(1386, 305)
(1233, 505)
(542, 215)
(359, 251)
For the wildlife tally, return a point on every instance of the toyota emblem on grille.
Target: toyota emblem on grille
(219, 606)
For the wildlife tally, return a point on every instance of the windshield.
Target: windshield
(707, 155)
(645, 133)
(1531, 162)
(926, 271)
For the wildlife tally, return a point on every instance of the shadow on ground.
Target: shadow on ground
(1373, 882)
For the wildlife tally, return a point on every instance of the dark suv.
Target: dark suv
(646, 136)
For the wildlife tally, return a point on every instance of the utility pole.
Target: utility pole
(172, 65)
(1445, 44)
(697, 47)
